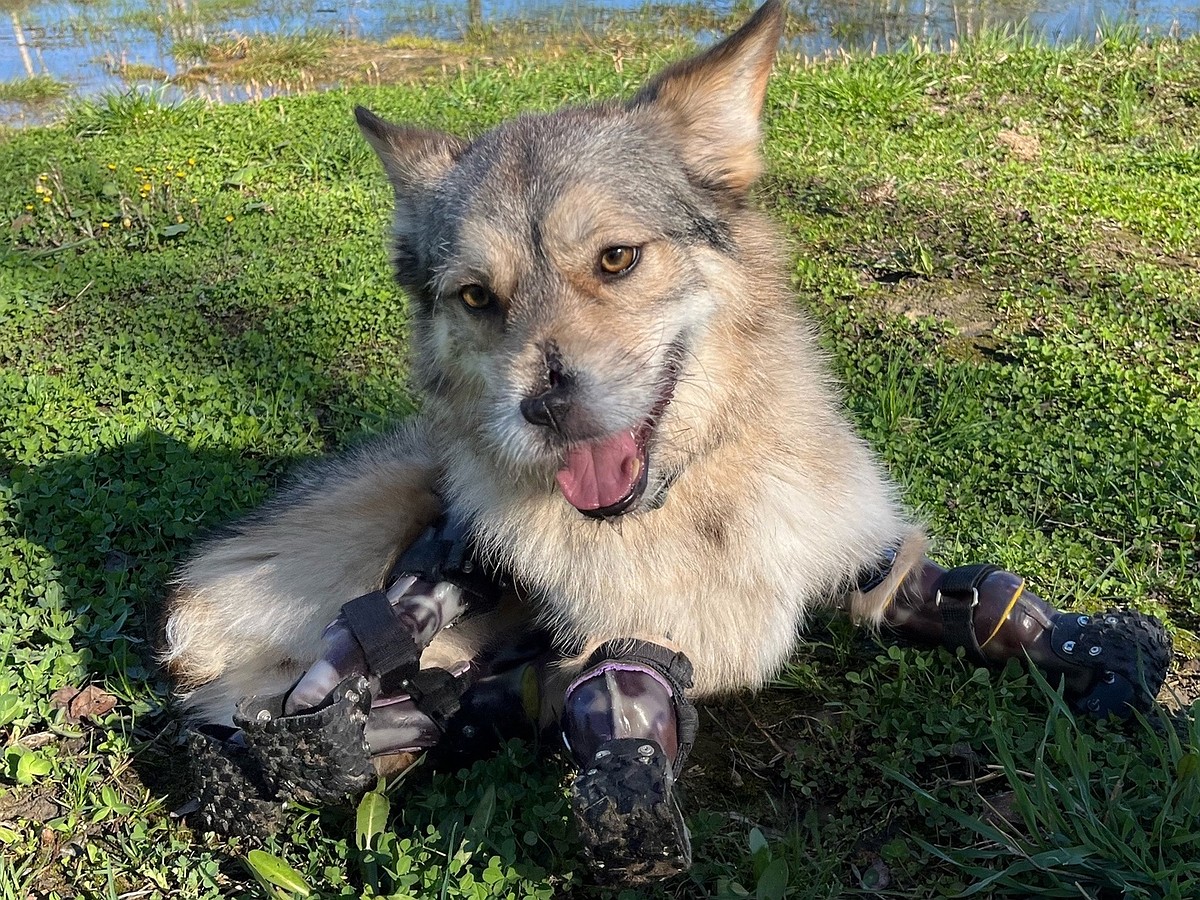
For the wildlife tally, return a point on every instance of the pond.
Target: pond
(56, 49)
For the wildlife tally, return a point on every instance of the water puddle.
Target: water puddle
(52, 51)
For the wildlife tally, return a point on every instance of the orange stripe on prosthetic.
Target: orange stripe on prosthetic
(1011, 603)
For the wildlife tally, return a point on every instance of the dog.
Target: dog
(620, 394)
(627, 409)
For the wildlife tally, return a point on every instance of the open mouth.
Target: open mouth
(604, 478)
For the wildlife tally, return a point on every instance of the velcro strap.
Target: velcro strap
(389, 648)
(675, 668)
(957, 597)
(445, 551)
(436, 693)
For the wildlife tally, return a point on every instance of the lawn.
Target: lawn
(1001, 247)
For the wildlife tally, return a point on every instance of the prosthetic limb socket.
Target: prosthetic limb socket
(366, 695)
(1111, 664)
(628, 725)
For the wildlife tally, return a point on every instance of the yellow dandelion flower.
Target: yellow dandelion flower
(46, 199)
(229, 218)
(147, 186)
(104, 225)
(181, 174)
(112, 167)
(138, 169)
(28, 207)
(191, 160)
(178, 218)
(42, 176)
(39, 189)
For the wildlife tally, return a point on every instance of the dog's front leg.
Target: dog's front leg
(628, 724)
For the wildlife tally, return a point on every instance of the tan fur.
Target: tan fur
(774, 504)
(247, 611)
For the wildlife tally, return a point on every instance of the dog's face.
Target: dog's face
(565, 268)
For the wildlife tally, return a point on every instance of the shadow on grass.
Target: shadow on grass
(108, 528)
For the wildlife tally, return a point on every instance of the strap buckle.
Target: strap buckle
(937, 601)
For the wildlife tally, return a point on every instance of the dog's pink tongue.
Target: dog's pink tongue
(601, 473)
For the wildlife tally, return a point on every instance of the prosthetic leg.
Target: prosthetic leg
(1111, 664)
(628, 726)
(367, 697)
(626, 720)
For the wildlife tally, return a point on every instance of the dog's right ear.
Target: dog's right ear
(412, 157)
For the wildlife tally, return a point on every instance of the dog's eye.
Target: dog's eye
(476, 296)
(616, 260)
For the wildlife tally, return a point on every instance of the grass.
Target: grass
(33, 89)
(261, 56)
(998, 245)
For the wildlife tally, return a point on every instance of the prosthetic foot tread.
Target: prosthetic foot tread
(1130, 652)
(318, 757)
(628, 815)
(233, 794)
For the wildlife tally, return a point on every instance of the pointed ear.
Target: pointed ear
(412, 157)
(712, 102)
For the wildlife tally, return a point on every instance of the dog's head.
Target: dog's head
(565, 269)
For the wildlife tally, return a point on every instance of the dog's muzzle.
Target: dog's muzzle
(607, 477)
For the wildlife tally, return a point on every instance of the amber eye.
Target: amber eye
(616, 260)
(476, 296)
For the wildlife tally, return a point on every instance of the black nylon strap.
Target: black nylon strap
(391, 652)
(436, 693)
(675, 668)
(958, 594)
(445, 551)
(873, 577)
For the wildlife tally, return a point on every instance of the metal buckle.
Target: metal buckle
(937, 601)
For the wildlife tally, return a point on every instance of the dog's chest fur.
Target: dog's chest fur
(775, 519)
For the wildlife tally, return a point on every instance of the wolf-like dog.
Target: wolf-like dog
(611, 249)
(623, 401)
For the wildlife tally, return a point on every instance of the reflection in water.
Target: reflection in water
(100, 45)
(23, 47)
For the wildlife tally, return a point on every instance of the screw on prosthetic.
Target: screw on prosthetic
(628, 725)
(1111, 664)
(366, 696)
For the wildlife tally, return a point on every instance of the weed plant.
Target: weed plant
(998, 246)
(33, 89)
(1088, 818)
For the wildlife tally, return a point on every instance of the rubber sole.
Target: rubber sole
(228, 783)
(1130, 652)
(628, 815)
(318, 757)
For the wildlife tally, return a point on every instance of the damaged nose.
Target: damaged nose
(550, 405)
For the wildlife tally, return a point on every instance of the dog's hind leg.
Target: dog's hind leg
(388, 681)
(1111, 664)
(249, 609)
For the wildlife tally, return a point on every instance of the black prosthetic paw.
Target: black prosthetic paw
(318, 757)
(234, 796)
(628, 815)
(1129, 652)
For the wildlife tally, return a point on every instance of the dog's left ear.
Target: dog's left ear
(712, 102)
